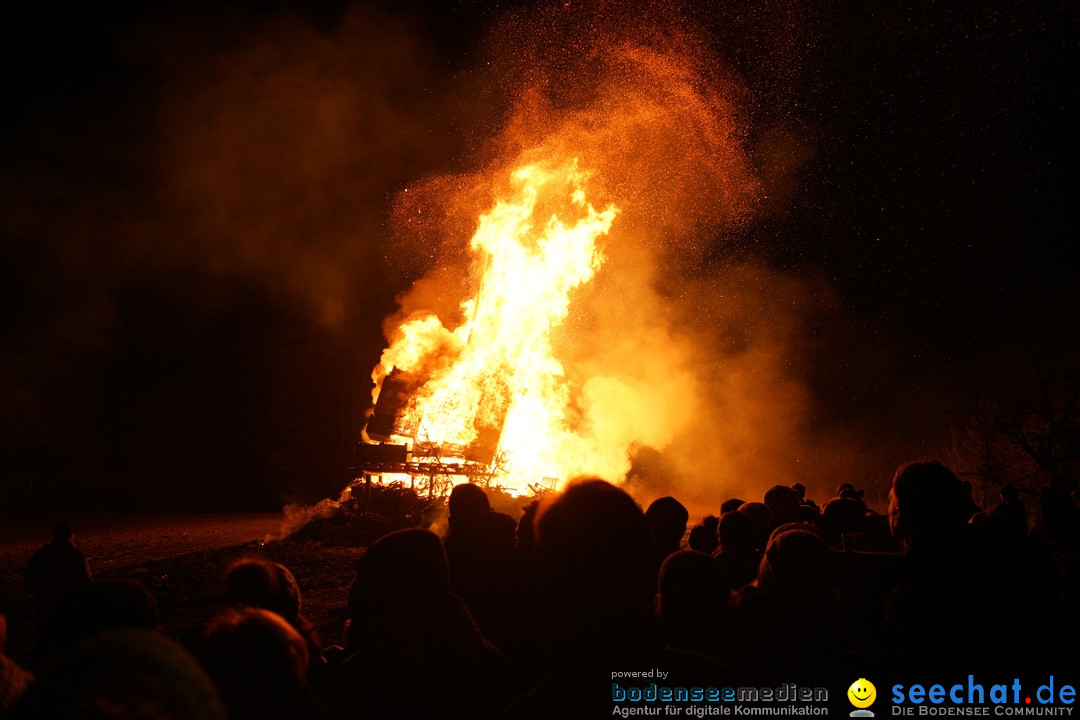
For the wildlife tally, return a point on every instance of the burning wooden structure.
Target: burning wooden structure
(487, 399)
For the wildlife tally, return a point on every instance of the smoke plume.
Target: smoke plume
(667, 351)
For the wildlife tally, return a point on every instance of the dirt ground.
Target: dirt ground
(119, 541)
(180, 559)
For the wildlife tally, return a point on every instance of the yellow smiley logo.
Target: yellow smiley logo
(862, 693)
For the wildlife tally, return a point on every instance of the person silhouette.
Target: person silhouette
(55, 569)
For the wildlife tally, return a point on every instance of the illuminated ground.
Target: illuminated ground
(180, 560)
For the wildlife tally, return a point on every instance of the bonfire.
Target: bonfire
(488, 399)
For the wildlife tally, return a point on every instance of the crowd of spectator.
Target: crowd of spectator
(529, 618)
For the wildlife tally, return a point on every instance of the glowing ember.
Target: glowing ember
(497, 372)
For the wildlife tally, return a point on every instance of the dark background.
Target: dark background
(140, 370)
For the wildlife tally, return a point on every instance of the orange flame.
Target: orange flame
(498, 371)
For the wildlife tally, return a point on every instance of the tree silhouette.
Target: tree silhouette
(1024, 432)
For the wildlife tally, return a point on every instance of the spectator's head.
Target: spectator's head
(256, 582)
(737, 532)
(693, 585)
(667, 518)
(847, 490)
(14, 681)
(258, 663)
(468, 501)
(525, 532)
(703, 537)
(400, 570)
(762, 517)
(844, 515)
(797, 562)
(731, 505)
(926, 499)
(592, 547)
(783, 503)
(123, 674)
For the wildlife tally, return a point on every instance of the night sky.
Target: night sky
(194, 273)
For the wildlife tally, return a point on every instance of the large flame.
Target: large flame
(659, 364)
(498, 370)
